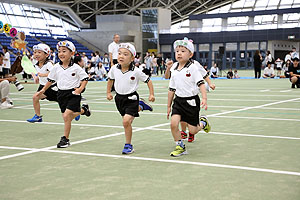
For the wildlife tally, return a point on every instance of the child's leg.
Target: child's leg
(183, 130)
(68, 116)
(127, 121)
(175, 119)
(36, 103)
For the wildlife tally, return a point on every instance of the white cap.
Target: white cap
(185, 43)
(129, 47)
(67, 44)
(43, 47)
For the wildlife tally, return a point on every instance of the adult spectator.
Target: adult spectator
(160, 63)
(85, 59)
(4, 88)
(97, 73)
(269, 71)
(288, 56)
(268, 58)
(257, 64)
(294, 70)
(106, 62)
(113, 49)
(6, 62)
(285, 69)
(230, 74)
(79, 60)
(93, 60)
(294, 53)
(52, 56)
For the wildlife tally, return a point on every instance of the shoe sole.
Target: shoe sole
(207, 123)
(34, 122)
(141, 99)
(64, 146)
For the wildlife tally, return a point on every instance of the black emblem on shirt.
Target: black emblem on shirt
(73, 74)
(132, 78)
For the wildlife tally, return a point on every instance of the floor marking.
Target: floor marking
(263, 118)
(285, 91)
(274, 171)
(264, 90)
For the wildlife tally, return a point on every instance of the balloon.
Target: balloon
(13, 32)
(1, 24)
(6, 28)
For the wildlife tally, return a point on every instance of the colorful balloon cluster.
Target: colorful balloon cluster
(18, 38)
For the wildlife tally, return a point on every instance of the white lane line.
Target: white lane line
(264, 90)
(263, 118)
(274, 171)
(239, 134)
(285, 91)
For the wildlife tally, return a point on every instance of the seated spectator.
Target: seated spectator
(97, 73)
(214, 71)
(230, 74)
(294, 70)
(236, 75)
(269, 71)
(285, 69)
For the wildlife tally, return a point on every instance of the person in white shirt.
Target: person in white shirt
(6, 62)
(288, 57)
(185, 83)
(71, 81)
(294, 53)
(269, 71)
(106, 62)
(85, 59)
(43, 67)
(126, 77)
(113, 50)
(98, 73)
(214, 71)
(278, 64)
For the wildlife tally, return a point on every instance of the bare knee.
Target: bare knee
(294, 79)
(126, 122)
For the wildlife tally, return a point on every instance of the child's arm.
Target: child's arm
(204, 97)
(151, 91)
(42, 91)
(169, 65)
(108, 89)
(211, 85)
(170, 100)
(83, 84)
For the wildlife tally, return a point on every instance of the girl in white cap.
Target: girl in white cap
(126, 77)
(71, 81)
(184, 84)
(43, 67)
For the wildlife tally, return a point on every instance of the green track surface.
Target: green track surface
(252, 152)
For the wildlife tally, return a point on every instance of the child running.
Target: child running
(185, 82)
(43, 66)
(125, 77)
(71, 81)
(208, 85)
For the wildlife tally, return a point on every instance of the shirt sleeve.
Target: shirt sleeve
(142, 76)
(111, 73)
(196, 75)
(49, 66)
(110, 49)
(52, 76)
(82, 74)
(172, 86)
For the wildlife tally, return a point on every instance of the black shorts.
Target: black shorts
(298, 81)
(67, 100)
(51, 95)
(188, 108)
(128, 104)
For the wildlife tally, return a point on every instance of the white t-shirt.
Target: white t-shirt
(68, 78)
(113, 48)
(186, 81)
(6, 63)
(269, 71)
(44, 70)
(127, 82)
(100, 72)
(295, 54)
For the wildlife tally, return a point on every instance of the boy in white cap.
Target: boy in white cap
(125, 77)
(43, 67)
(185, 82)
(71, 81)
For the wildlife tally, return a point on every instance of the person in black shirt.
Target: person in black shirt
(294, 70)
(257, 64)
(160, 64)
(230, 74)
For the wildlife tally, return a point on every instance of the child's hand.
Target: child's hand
(212, 86)
(77, 91)
(204, 103)
(42, 91)
(168, 112)
(169, 63)
(109, 96)
(151, 98)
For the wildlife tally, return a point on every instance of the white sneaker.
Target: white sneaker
(6, 105)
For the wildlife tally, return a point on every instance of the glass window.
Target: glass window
(203, 47)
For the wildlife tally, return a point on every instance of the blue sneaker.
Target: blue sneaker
(144, 105)
(35, 118)
(77, 118)
(128, 149)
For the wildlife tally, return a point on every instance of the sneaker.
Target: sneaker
(6, 105)
(77, 118)
(86, 109)
(63, 143)
(178, 151)
(207, 127)
(128, 149)
(293, 86)
(183, 135)
(144, 105)
(35, 118)
(191, 138)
